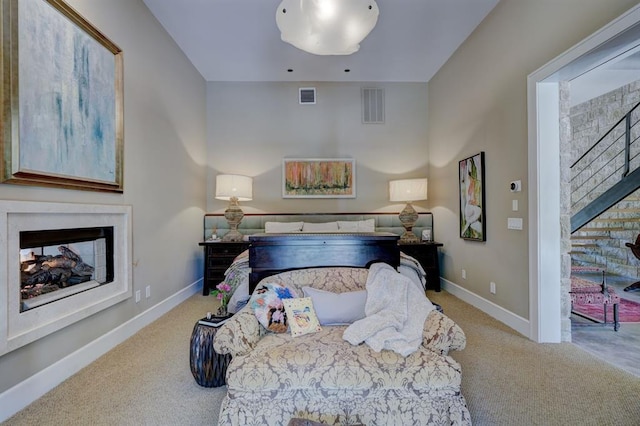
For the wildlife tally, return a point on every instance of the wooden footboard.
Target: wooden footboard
(270, 254)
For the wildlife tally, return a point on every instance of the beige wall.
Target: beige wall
(164, 177)
(478, 102)
(253, 126)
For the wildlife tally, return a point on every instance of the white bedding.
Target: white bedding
(237, 276)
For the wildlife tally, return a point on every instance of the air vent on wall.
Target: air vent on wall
(372, 105)
(307, 96)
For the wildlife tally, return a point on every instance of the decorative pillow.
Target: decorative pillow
(368, 225)
(303, 316)
(282, 227)
(337, 308)
(320, 227)
(268, 308)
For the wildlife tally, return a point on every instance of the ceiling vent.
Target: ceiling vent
(307, 96)
(372, 105)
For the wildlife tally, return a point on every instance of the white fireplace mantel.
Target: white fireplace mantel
(22, 328)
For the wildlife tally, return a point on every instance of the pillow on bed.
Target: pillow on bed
(302, 316)
(268, 308)
(320, 227)
(282, 227)
(368, 225)
(337, 308)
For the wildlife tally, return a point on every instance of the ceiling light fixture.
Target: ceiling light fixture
(326, 27)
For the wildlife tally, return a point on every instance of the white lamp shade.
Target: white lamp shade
(326, 27)
(228, 186)
(405, 190)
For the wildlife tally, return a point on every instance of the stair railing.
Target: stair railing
(597, 176)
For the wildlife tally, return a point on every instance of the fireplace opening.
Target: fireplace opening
(58, 263)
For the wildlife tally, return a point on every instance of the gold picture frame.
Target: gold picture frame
(62, 99)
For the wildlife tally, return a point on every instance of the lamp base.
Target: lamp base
(233, 236)
(408, 237)
(408, 217)
(234, 215)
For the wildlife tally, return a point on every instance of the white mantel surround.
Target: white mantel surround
(22, 328)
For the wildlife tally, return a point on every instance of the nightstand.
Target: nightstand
(218, 256)
(427, 254)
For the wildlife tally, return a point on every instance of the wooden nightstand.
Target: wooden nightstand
(427, 254)
(218, 256)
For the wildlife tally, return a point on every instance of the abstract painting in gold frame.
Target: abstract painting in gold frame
(62, 99)
(318, 178)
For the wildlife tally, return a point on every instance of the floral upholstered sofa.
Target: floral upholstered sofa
(274, 377)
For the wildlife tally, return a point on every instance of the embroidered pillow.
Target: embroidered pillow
(302, 316)
(337, 308)
(266, 303)
(282, 227)
(367, 225)
(320, 227)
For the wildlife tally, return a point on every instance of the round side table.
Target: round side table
(207, 366)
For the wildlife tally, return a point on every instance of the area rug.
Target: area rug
(628, 311)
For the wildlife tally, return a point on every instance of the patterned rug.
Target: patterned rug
(628, 311)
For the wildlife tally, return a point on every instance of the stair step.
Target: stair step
(584, 245)
(602, 229)
(626, 210)
(628, 219)
(590, 237)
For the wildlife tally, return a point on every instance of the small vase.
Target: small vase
(222, 311)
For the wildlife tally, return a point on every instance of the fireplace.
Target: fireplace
(60, 263)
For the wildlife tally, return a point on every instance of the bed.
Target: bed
(336, 375)
(273, 253)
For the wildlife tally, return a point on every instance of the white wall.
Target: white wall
(253, 126)
(478, 102)
(164, 178)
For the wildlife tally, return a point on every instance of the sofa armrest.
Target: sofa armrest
(441, 334)
(239, 335)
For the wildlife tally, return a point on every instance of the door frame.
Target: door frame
(545, 255)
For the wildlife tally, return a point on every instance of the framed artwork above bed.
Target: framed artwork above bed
(318, 178)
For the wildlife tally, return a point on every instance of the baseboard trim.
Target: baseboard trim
(518, 323)
(24, 393)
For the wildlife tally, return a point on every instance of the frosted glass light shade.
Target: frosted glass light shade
(326, 27)
(228, 186)
(408, 190)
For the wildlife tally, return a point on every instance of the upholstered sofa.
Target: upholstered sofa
(274, 377)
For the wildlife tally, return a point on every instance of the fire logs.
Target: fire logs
(44, 274)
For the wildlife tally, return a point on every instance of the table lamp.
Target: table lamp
(408, 190)
(233, 188)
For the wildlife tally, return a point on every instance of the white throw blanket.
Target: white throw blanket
(396, 310)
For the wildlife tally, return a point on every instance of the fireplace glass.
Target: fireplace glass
(55, 264)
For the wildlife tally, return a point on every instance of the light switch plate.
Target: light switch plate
(514, 223)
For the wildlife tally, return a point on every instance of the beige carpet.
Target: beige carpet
(507, 380)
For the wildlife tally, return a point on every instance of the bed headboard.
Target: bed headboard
(254, 223)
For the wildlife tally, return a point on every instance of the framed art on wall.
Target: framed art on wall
(472, 198)
(318, 178)
(63, 99)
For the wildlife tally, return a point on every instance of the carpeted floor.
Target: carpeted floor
(507, 379)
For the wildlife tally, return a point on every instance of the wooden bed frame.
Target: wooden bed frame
(270, 254)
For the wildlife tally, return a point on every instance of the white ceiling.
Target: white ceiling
(238, 40)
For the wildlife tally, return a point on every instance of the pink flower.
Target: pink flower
(223, 286)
